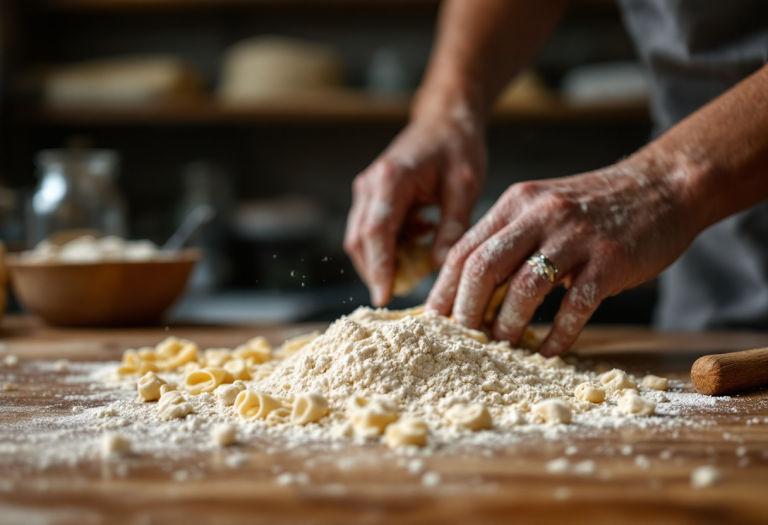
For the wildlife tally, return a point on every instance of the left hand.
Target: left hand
(605, 231)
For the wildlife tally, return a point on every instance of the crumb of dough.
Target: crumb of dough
(224, 434)
(114, 445)
(431, 479)
(11, 360)
(705, 476)
(655, 382)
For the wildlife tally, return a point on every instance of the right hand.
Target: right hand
(436, 159)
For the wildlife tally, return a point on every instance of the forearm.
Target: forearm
(718, 157)
(480, 46)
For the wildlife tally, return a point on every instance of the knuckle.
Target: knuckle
(523, 190)
(387, 172)
(374, 229)
(527, 285)
(478, 266)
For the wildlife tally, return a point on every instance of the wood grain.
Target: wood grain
(727, 373)
(368, 484)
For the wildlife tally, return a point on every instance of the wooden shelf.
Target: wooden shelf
(342, 108)
(176, 5)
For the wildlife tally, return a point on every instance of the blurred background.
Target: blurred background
(267, 109)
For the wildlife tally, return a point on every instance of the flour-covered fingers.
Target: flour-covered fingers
(529, 286)
(353, 242)
(384, 215)
(458, 196)
(490, 265)
(443, 293)
(579, 303)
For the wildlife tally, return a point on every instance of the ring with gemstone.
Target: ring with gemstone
(543, 266)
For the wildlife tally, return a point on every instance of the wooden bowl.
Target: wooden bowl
(101, 294)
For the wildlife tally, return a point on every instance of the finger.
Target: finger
(503, 212)
(459, 194)
(527, 290)
(578, 305)
(489, 266)
(384, 215)
(353, 245)
(443, 292)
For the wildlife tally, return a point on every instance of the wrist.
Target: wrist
(455, 101)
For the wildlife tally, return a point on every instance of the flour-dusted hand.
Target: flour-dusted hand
(605, 231)
(435, 160)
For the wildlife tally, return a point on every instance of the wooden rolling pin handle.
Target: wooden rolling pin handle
(727, 373)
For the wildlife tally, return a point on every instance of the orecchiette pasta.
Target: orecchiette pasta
(370, 417)
(616, 380)
(216, 357)
(173, 405)
(206, 380)
(631, 403)
(406, 432)
(149, 387)
(238, 369)
(308, 408)
(553, 411)
(254, 352)
(589, 392)
(293, 345)
(168, 387)
(226, 394)
(279, 416)
(255, 405)
(655, 382)
(472, 417)
(186, 354)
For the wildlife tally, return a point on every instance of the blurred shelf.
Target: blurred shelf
(347, 108)
(176, 5)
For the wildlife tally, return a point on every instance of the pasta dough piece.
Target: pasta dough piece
(255, 405)
(413, 262)
(616, 380)
(553, 411)
(655, 382)
(224, 434)
(308, 408)
(168, 387)
(590, 393)
(174, 352)
(293, 345)
(406, 432)
(631, 404)
(149, 387)
(472, 417)
(226, 394)
(279, 416)
(255, 352)
(173, 405)
(216, 357)
(369, 418)
(238, 369)
(114, 444)
(206, 380)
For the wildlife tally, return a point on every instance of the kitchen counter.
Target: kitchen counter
(364, 484)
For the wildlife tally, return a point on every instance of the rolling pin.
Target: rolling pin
(727, 373)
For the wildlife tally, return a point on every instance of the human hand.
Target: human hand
(606, 231)
(438, 159)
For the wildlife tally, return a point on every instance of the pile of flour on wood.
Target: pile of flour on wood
(406, 378)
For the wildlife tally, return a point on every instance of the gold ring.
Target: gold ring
(543, 266)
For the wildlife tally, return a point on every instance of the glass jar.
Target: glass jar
(76, 192)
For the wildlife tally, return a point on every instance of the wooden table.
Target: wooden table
(509, 484)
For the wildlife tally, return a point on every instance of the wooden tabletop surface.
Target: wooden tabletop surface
(507, 484)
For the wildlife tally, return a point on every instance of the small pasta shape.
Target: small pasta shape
(406, 432)
(590, 393)
(616, 380)
(631, 404)
(308, 408)
(238, 369)
(279, 416)
(216, 357)
(186, 354)
(168, 387)
(473, 417)
(173, 405)
(206, 380)
(293, 345)
(255, 405)
(553, 411)
(370, 418)
(254, 352)
(171, 346)
(655, 383)
(149, 387)
(226, 394)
